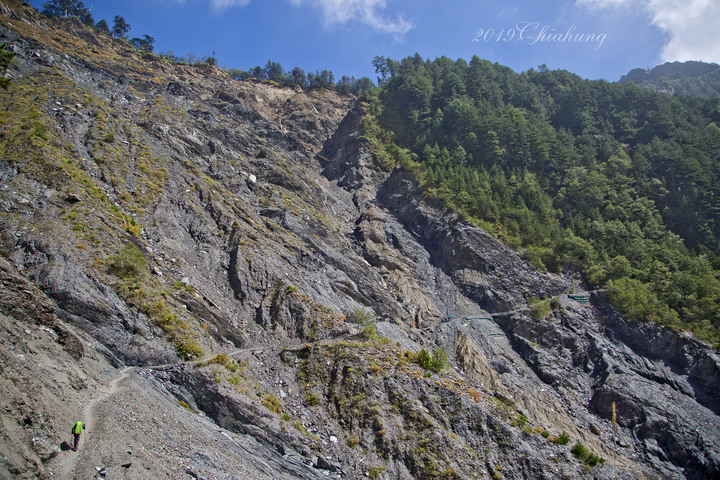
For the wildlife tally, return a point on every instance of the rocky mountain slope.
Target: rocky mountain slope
(181, 254)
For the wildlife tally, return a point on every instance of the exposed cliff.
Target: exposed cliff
(156, 214)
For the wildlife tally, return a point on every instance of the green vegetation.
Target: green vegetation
(135, 286)
(352, 441)
(129, 263)
(582, 453)
(274, 72)
(187, 347)
(615, 181)
(69, 8)
(6, 58)
(698, 79)
(120, 27)
(369, 333)
(562, 439)
(497, 472)
(184, 404)
(224, 360)
(539, 309)
(436, 363)
(272, 403)
(360, 316)
(375, 471)
(555, 303)
(520, 421)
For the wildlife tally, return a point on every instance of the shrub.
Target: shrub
(539, 309)
(352, 440)
(555, 303)
(360, 316)
(109, 138)
(188, 349)
(129, 263)
(235, 379)
(520, 421)
(369, 333)
(423, 359)
(131, 226)
(437, 362)
(562, 439)
(224, 360)
(272, 403)
(312, 400)
(375, 471)
(580, 451)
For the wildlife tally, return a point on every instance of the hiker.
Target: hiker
(76, 431)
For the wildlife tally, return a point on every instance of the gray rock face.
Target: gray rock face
(256, 218)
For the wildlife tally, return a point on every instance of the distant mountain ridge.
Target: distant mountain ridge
(693, 78)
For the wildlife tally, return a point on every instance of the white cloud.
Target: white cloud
(365, 11)
(219, 6)
(335, 12)
(692, 25)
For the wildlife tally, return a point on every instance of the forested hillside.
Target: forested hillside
(697, 79)
(616, 182)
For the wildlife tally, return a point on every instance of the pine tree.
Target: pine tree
(68, 8)
(5, 58)
(120, 27)
(103, 27)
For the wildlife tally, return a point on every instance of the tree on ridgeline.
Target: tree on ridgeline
(102, 27)
(68, 8)
(384, 67)
(144, 44)
(274, 72)
(120, 27)
(298, 78)
(323, 79)
(210, 59)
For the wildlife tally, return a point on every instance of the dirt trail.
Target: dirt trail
(66, 470)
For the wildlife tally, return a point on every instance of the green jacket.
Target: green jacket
(78, 428)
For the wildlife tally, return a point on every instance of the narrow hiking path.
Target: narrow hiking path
(66, 470)
(66, 464)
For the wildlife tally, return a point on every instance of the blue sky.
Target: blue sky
(592, 38)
